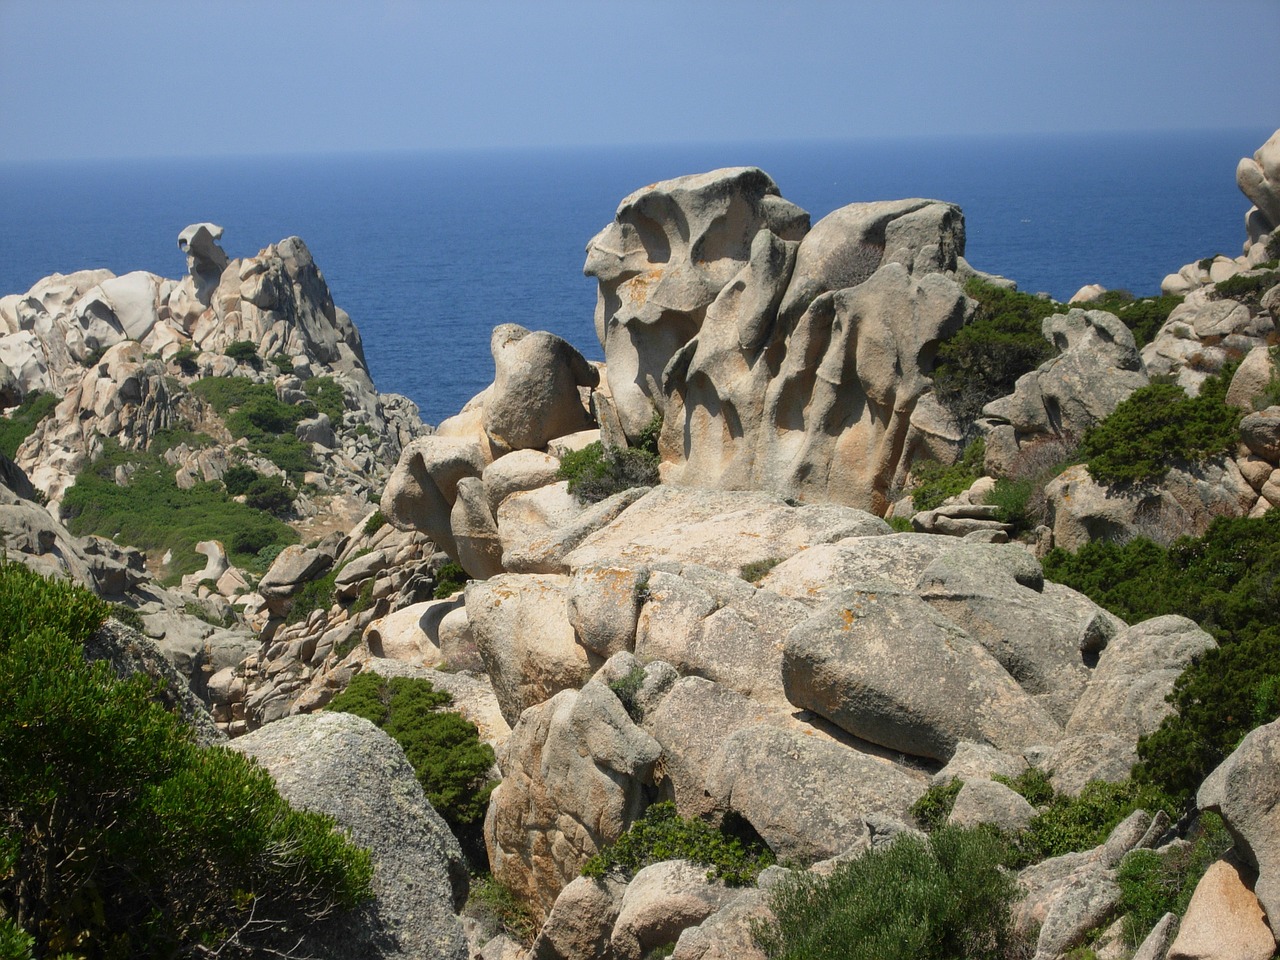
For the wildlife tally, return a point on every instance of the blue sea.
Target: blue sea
(427, 252)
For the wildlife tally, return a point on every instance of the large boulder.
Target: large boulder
(1223, 919)
(580, 922)
(663, 900)
(424, 485)
(343, 766)
(1259, 179)
(535, 389)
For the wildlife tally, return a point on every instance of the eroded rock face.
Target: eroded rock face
(1259, 179)
(535, 389)
(780, 358)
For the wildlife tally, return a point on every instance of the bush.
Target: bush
(450, 578)
(238, 477)
(755, 571)
(154, 514)
(252, 411)
(271, 495)
(131, 840)
(186, 359)
(317, 594)
(936, 899)
(326, 393)
(445, 750)
(986, 357)
(626, 689)
(1159, 425)
(662, 834)
(1013, 500)
(22, 422)
(244, 351)
(1228, 581)
(1069, 824)
(513, 917)
(935, 483)
(377, 520)
(935, 805)
(1247, 288)
(595, 474)
(1143, 317)
(283, 362)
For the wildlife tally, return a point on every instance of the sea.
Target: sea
(428, 252)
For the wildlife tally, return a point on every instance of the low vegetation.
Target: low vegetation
(596, 473)
(446, 752)
(22, 422)
(513, 917)
(1227, 581)
(934, 899)
(662, 834)
(1144, 317)
(252, 411)
(153, 513)
(756, 570)
(1066, 824)
(119, 836)
(935, 483)
(627, 690)
(935, 805)
(1247, 288)
(1158, 426)
(450, 578)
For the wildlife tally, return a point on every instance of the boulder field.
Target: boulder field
(749, 639)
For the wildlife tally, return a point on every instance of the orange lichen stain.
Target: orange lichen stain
(848, 616)
(637, 288)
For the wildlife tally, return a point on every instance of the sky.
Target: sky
(128, 78)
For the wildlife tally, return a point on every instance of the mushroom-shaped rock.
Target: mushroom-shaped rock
(344, 766)
(574, 769)
(535, 389)
(199, 242)
(663, 900)
(889, 668)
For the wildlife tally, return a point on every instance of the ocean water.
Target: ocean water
(428, 252)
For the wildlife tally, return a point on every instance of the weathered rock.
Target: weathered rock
(475, 532)
(421, 490)
(411, 633)
(290, 572)
(1223, 919)
(1251, 378)
(1155, 946)
(535, 389)
(1245, 790)
(1260, 432)
(604, 605)
(343, 766)
(517, 472)
(985, 801)
(895, 561)
(977, 761)
(580, 922)
(1259, 179)
(888, 668)
(767, 774)
(663, 900)
(573, 772)
(520, 623)
(722, 530)
(529, 519)
(547, 551)
(729, 933)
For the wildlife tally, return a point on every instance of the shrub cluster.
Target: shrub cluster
(935, 483)
(627, 689)
(153, 513)
(445, 750)
(252, 411)
(1159, 425)
(934, 899)
(244, 351)
(986, 357)
(1247, 287)
(450, 578)
(662, 834)
(1228, 581)
(119, 836)
(596, 473)
(22, 422)
(935, 805)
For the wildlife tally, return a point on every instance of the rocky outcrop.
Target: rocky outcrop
(343, 766)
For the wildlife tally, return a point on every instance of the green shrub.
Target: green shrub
(237, 478)
(986, 357)
(935, 483)
(1247, 287)
(377, 520)
(595, 474)
(662, 834)
(935, 805)
(900, 524)
(1012, 500)
(755, 571)
(133, 840)
(23, 421)
(446, 752)
(498, 901)
(1032, 784)
(317, 594)
(327, 395)
(270, 494)
(244, 351)
(1159, 425)
(1228, 581)
(283, 362)
(1069, 824)
(648, 438)
(186, 359)
(128, 616)
(252, 411)
(1153, 884)
(937, 899)
(450, 578)
(627, 688)
(154, 514)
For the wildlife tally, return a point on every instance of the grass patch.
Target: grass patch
(756, 570)
(22, 422)
(662, 834)
(152, 513)
(251, 411)
(512, 916)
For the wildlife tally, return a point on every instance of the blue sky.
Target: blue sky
(121, 79)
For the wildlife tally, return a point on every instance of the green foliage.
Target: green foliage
(186, 359)
(662, 834)
(935, 805)
(937, 899)
(755, 571)
(648, 438)
(251, 410)
(627, 688)
(1247, 287)
(128, 616)
(987, 356)
(1143, 317)
(377, 520)
(1153, 884)
(1158, 425)
(445, 750)
(512, 915)
(133, 840)
(935, 482)
(22, 422)
(1228, 581)
(237, 478)
(326, 393)
(270, 494)
(283, 362)
(317, 594)
(595, 473)
(1013, 498)
(450, 578)
(1068, 824)
(1032, 784)
(900, 524)
(152, 513)
(244, 351)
